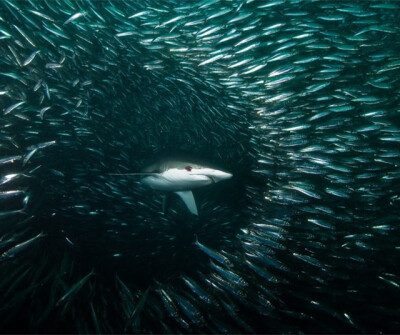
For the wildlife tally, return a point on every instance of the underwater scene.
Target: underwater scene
(199, 166)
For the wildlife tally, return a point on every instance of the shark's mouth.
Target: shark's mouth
(212, 179)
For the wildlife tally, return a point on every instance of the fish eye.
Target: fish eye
(188, 168)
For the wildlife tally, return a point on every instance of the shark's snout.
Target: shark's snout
(217, 175)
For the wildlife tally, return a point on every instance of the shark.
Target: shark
(181, 177)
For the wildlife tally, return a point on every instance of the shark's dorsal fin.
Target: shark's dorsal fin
(188, 199)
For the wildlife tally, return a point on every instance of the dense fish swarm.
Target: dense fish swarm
(298, 99)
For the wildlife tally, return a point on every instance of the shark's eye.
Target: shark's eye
(188, 168)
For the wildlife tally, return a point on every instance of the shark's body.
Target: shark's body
(181, 178)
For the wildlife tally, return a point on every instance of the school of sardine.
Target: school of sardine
(298, 99)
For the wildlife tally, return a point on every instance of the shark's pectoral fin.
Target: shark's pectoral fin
(188, 199)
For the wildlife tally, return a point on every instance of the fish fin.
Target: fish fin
(188, 199)
(134, 317)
